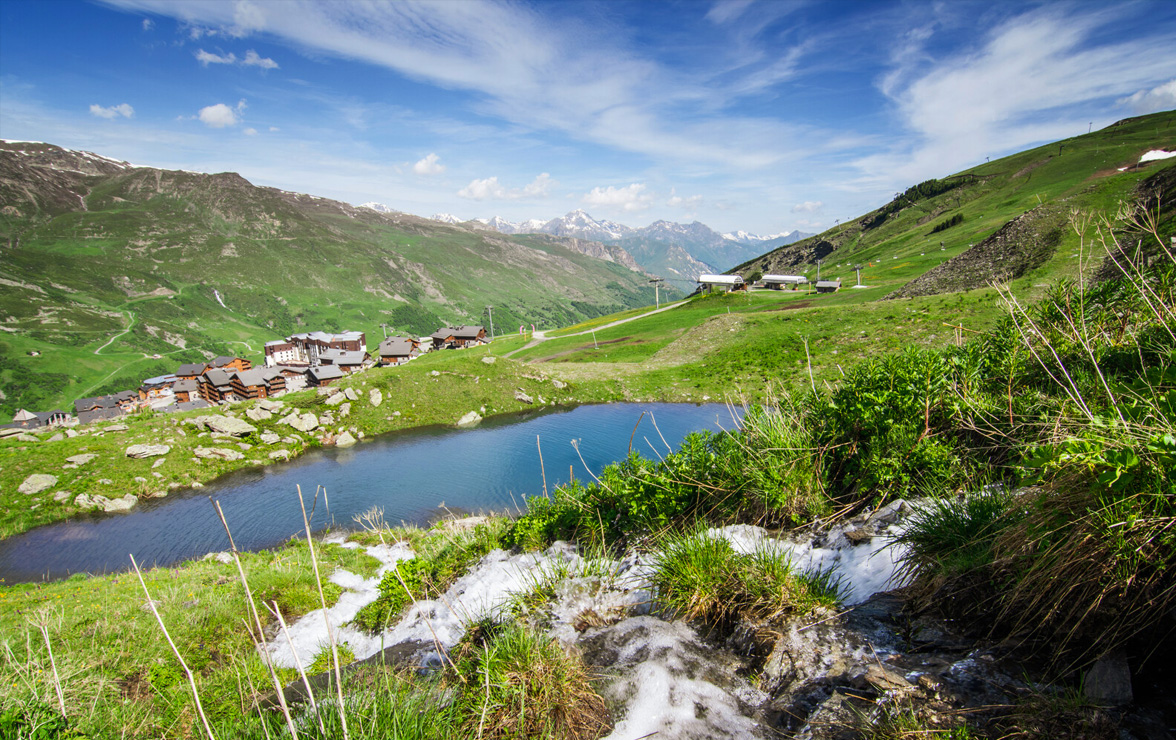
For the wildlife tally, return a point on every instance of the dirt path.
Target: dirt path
(539, 337)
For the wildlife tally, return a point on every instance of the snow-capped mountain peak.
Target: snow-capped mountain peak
(377, 207)
(446, 218)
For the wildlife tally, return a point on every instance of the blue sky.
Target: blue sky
(760, 116)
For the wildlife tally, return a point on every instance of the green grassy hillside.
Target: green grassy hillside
(106, 266)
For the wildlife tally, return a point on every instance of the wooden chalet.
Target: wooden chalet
(295, 376)
(323, 375)
(25, 419)
(304, 349)
(258, 383)
(216, 386)
(829, 286)
(158, 387)
(458, 337)
(191, 371)
(346, 360)
(235, 364)
(398, 350)
(106, 407)
(186, 390)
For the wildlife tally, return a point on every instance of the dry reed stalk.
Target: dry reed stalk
(326, 617)
(633, 434)
(669, 450)
(543, 471)
(252, 610)
(175, 650)
(298, 662)
(42, 624)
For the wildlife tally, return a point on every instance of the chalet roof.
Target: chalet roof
(322, 336)
(397, 346)
(276, 342)
(126, 396)
(326, 372)
(443, 333)
(186, 385)
(467, 332)
(24, 415)
(168, 379)
(721, 279)
(342, 356)
(219, 377)
(222, 361)
(292, 369)
(85, 417)
(193, 368)
(829, 283)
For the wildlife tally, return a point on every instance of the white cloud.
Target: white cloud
(429, 165)
(253, 59)
(274, 128)
(725, 11)
(690, 203)
(631, 198)
(249, 131)
(491, 189)
(247, 18)
(221, 115)
(148, 24)
(1161, 97)
(809, 206)
(206, 58)
(114, 111)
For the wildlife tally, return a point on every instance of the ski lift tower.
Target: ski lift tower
(858, 268)
(656, 293)
(490, 313)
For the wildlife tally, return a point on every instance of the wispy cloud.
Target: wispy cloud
(206, 58)
(491, 189)
(809, 206)
(1160, 97)
(114, 111)
(252, 59)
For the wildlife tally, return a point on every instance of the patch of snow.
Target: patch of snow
(1155, 154)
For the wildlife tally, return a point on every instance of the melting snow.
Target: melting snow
(1155, 154)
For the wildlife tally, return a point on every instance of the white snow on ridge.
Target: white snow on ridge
(1155, 154)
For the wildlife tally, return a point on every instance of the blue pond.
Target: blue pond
(410, 475)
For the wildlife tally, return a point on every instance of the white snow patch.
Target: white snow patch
(863, 569)
(661, 694)
(309, 633)
(1155, 154)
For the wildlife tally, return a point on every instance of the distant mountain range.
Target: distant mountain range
(664, 248)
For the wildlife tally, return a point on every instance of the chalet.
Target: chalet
(829, 286)
(294, 375)
(158, 387)
(258, 383)
(726, 283)
(234, 364)
(25, 419)
(186, 390)
(398, 350)
(346, 360)
(106, 407)
(216, 386)
(780, 282)
(323, 375)
(304, 349)
(192, 370)
(458, 337)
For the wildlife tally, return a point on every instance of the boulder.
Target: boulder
(1108, 682)
(70, 433)
(326, 420)
(270, 438)
(345, 440)
(139, 452)
(258, 414)
(36, 483)
(375, 397)
(471, 419)
(81, 459)
(559, 384)
(56, 437)
(268, 405)
(116, 428)
(228, 425)
(223, 453)
(351, 394)
(61, 496)
(304, 422)
(280, 455)
(86, 501)
(125, 503)
(158, 463)
(345, 410)
(489, 360)
(336, 399)
(523, 397)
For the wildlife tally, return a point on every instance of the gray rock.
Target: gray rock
(223, 453)
(245, 446)
(271, 406)
(70, 433)
(336, 399)
(26, 438)
(125, 503)
(158, 462)
(258, 414)
(140, 479)
(345, 440)
(56, 437)
(396, 413)
(375, 397)
(292, 439)
(280, 455)
(471, 419)
(521, 396)
(141, 451)
(270, 438)
(345, 410)
(36, 483)
(86, 501)
(81, 459)
(434, 373)
(116, 428)
(1108, 682)
(559, 384)
(489, 360)
(351, 394)
(61, 496)
(304, 422)
(326, 420)
(228, 425)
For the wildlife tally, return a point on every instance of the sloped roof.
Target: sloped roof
(193, 368)
(187, 384)
(222, 361)
(326, 372)
(219, 377)
(721, 279)
(342, 356)
(397, 346)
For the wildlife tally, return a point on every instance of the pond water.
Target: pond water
(414, 476)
